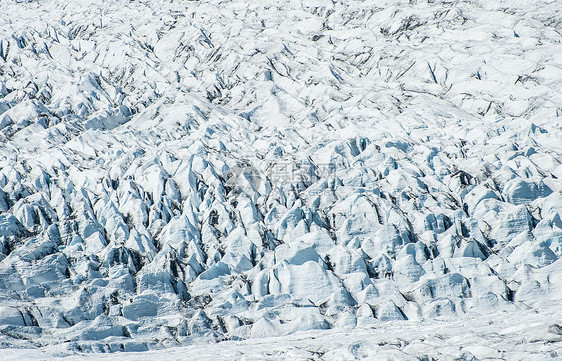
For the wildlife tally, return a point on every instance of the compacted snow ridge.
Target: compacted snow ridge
(320, 179)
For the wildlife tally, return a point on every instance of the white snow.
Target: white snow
(523, 335)
(356, 178)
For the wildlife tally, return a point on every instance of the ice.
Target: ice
(358, 179)
(12, 316)
(518, 191)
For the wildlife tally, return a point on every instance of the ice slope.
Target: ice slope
(188, 172)
(524, 335)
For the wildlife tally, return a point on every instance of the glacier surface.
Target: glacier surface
(371, 178)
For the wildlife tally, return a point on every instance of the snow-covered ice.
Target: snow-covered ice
(281, 179)
(513, 336)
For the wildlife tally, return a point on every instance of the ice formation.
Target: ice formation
(184, 172)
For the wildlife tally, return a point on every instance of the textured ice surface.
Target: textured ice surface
(523, 336)
(187, 172)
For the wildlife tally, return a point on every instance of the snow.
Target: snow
(358, 179)
(523, 335)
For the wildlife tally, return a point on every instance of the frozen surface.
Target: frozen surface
(523, 336)
(350, 175)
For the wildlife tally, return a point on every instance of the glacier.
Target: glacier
(367, 179)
